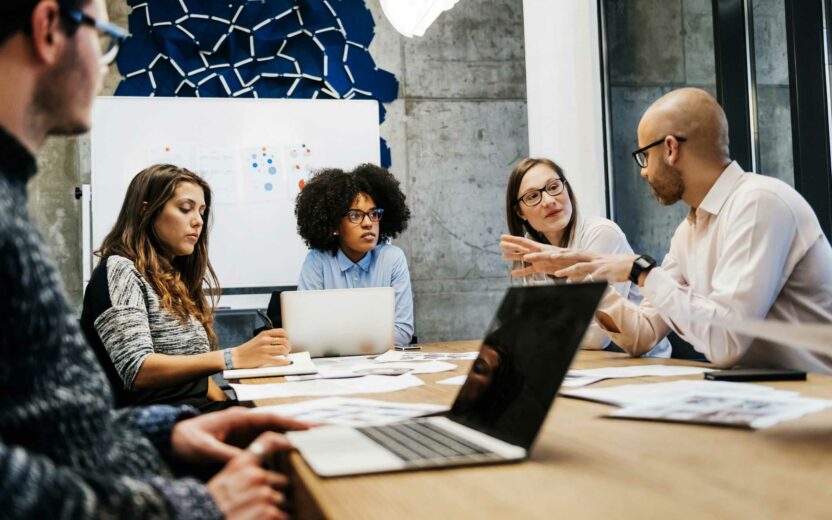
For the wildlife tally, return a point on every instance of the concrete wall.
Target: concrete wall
(457, 128)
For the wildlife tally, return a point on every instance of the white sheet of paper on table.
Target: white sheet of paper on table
(301, 364)
(639, 371)
(763, 410)
(327, 387)
(397, 356)
(335, 371)
(571, 381)
(458, 381)
(636, 394)
(351, 411)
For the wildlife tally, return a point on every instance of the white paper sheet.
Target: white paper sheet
(632, 395)
(572, 381)
(301, 364)
(327, 387)
(351, 411)
(340, 371)
(457, 381)
(760, 411)
(396, 356)
(639, 371)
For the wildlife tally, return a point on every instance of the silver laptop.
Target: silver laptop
(499, 409)
(339, 322)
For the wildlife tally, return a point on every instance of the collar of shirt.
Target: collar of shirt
(719, 192)
(345, 263)
(15, 159)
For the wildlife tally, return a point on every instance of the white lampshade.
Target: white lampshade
(413, 17)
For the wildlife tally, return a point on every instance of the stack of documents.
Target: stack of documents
(389, 372)
(593, 375)
(351, 411)
(327, 387)
(741, 405)
(301, 363)
(397, 356)
(352, 369)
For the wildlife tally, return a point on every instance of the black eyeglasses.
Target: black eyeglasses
(356, 216)
(641, 158)
(109, 35)
(532, 198)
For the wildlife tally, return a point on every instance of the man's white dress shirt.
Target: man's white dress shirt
(752, 249)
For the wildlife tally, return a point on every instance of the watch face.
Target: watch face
(643, 262)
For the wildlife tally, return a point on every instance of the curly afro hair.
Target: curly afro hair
(329, 194)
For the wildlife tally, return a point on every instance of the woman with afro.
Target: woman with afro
(347, 219)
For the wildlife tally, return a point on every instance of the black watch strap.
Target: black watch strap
(642, 264)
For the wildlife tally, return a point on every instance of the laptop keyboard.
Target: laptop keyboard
(418, 441)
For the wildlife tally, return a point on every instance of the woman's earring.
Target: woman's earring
(335, 233)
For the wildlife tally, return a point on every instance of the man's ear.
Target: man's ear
(48, 37)
(671, 156)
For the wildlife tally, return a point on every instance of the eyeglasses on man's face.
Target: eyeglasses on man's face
(110, 36)
(641, 157)
(533, 197)
(356, 216)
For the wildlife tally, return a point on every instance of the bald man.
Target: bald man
(750, 248)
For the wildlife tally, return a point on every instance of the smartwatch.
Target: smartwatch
(642, 264)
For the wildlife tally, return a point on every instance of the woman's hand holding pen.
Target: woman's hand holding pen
(265, 349)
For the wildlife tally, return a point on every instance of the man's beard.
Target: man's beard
(668, 186)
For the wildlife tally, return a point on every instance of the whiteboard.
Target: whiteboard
(255, 154)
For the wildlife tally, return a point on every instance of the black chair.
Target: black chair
(681, 349)
(273, 310)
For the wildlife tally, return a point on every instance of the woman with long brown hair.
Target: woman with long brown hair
(542, 211)
(147, 311)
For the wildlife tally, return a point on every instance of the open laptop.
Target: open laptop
(340, 322)
(499, 410)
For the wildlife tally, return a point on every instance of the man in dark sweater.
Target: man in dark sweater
(64, 451)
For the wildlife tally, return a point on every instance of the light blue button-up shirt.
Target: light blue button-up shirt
(384, 266)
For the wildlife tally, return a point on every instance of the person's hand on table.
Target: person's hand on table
(264, 349)
(220, 436)
(244, 490)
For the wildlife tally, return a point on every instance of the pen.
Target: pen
(265, 318)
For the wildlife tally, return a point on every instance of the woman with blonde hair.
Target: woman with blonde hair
(147, 311)
(542, 211)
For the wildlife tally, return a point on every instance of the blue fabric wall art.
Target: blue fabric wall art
(303, 49)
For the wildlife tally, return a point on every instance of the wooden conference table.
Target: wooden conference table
(585, 466)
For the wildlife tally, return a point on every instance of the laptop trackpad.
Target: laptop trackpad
(339, 450)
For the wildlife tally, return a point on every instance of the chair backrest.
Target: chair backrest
(681, 349)
(273, 310)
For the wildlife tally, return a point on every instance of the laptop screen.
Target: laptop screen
(523, 360)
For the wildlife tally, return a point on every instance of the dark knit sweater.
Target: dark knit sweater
(64, 451)
(124, 321)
